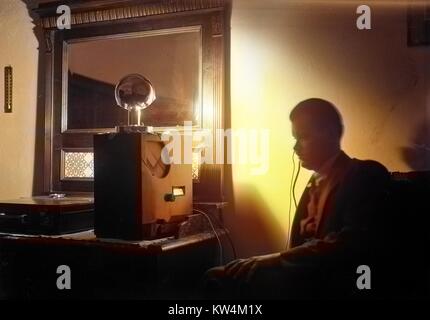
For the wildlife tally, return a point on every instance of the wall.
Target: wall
(17, 139)
(285, 51)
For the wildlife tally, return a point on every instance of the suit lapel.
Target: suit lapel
(301, 213)
(340, 167)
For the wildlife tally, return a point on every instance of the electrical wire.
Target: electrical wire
(227, 233)
(290, 199)
(294, 185)
(292, 195)
(221, 258)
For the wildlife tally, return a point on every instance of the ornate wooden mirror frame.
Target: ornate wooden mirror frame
(104, 18)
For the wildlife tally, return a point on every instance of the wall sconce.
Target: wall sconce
(8, 89)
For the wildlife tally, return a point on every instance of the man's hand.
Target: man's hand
(246, 267)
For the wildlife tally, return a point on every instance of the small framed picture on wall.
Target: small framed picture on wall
(418, 22)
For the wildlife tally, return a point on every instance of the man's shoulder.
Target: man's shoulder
(370, 164)
(370, 168)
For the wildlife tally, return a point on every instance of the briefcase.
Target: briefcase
(46, 215)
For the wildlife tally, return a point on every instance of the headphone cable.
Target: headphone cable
(293, 183)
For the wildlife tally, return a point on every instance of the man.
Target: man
(337, 226)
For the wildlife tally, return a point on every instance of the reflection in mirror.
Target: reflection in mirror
(170, 59)
(134, 93)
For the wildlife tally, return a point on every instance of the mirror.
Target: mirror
(180, 46)
(169, 58)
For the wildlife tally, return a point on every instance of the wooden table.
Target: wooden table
(105, 268)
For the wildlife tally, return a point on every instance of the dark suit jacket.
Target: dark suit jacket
(353, 207)
(353, 214)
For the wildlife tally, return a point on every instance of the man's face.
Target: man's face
(314, 145)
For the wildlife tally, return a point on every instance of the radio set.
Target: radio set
(137, 196)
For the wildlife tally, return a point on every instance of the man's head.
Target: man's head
(317, 127)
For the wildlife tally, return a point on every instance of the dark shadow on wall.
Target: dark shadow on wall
(253, 226)
(417, 155)
(39, 150)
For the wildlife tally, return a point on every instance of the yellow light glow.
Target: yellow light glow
(261, 100)
(196, 164)
(290, 51)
